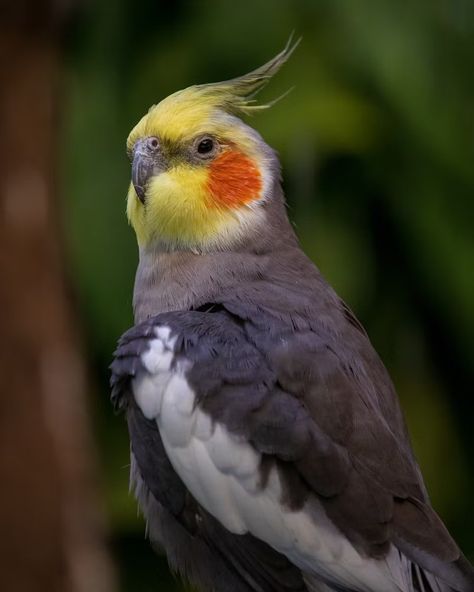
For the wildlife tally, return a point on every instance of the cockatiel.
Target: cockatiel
(269, 452)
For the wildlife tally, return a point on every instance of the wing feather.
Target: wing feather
(324, 413)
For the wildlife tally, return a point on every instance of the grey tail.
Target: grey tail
(409, 576)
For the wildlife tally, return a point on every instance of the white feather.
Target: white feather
(222, 472)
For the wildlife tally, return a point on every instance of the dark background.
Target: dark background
(377, 145)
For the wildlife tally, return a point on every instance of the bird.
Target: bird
(269, 452)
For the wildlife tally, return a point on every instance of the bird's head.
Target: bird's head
(200, 175)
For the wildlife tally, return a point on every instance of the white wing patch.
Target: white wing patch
(222, 472)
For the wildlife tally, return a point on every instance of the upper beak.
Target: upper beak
(142, 169)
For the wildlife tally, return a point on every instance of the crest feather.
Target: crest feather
(237, 95)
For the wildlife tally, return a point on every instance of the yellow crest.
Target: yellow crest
(185, 112)
(238, 94)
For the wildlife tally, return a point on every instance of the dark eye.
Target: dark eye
(205, 146)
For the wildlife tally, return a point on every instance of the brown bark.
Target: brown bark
(51, 536)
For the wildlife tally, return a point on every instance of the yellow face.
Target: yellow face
(197, 174)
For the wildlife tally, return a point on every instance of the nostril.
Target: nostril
(152, 143)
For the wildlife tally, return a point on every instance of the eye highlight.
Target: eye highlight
(206, 147)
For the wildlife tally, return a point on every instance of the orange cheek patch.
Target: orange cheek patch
(233, 179)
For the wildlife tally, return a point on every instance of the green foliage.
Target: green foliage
(377, 147)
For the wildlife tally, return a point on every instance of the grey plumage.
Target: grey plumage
(274, 356)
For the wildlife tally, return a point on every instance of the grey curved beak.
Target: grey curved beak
(142, 169)
(148, 160)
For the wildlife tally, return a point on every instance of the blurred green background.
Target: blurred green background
(377, 145)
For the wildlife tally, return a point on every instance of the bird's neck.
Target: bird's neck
(183, 280)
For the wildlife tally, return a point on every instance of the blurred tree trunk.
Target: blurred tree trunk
(51, 535)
